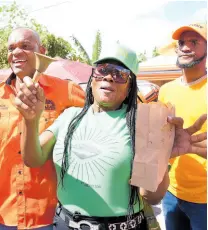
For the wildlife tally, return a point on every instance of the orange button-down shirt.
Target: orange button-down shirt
(28, 195)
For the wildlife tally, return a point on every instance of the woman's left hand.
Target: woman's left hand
(185, 141)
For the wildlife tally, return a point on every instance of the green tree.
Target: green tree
(97, 46)
(56, 46)
(11, 17)
(142, 57)
(81, 50)
(3, 48)
(155, 52)
(14, 16)
(3, 55)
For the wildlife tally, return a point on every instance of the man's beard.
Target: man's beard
(190, 65)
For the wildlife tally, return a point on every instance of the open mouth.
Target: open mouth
(107, 88)
(18, 63)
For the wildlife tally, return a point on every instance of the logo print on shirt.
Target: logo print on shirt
(50, 105)
(92, 150)
(92, 154)
(3, 107)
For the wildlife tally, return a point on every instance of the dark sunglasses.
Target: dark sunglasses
(119, 74)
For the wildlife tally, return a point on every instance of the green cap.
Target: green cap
(122, 54)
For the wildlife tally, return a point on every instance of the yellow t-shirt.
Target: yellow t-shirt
(188, 174)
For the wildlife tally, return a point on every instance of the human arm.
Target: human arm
(154, 198)
(30, 101)
(36, 150)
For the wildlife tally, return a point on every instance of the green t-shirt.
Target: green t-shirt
(96, 182)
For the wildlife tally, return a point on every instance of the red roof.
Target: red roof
(63, 69)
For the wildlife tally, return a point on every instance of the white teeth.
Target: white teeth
(19, 61)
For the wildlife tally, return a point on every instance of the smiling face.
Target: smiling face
(192, 50)
(22, 44)
(107, 93)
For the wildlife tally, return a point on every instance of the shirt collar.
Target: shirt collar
(44, 79)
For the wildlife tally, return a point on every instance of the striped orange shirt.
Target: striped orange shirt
(28, 195)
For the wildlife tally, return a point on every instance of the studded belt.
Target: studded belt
(79, 222)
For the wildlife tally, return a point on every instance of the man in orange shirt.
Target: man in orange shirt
(28, 195)
(185, 204)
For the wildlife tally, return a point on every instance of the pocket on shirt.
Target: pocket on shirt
(47, 118)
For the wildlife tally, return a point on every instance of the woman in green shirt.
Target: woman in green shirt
(93, 149)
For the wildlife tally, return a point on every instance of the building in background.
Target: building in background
(159, 70)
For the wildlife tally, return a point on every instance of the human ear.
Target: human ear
(42, 50)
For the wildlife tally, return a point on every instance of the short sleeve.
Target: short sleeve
(64, 119)
(57, 124)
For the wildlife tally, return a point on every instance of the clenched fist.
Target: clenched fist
(30, 100)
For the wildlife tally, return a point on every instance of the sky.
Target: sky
(140, 25)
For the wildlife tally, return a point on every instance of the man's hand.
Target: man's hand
(185, 141)
(30, 100)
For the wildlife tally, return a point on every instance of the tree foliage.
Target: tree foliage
(81, 49)
(155, 52)
(142, 57)
(56, 46)
(15, 17)
(97, 47)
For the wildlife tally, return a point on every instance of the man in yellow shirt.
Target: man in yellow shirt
(185, 203)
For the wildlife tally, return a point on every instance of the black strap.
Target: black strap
(76, 216)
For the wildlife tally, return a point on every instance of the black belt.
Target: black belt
(77, 221)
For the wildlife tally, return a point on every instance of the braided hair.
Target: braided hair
(131, 102)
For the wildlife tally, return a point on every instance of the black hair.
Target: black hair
(131, 102)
